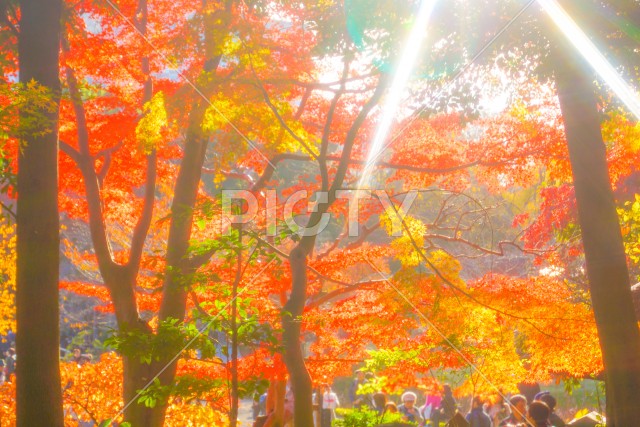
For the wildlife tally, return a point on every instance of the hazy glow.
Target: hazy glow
(402, 74)
(592, 55)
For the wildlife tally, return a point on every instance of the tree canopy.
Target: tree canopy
(202, 142)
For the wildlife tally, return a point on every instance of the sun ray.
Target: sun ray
(403, 72)
(592, 55)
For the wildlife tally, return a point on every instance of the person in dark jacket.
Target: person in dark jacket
(448, 404)
(379, 402)
(539, 414)
(477, 417)
(554, 419)
(447, 409)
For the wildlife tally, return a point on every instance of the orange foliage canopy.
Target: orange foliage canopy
(93, 392)
(364, 294)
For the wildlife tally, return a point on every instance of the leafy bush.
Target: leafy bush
(364, 418)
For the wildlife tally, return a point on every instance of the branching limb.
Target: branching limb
(279, 117)
(317, 302)
(324, 145)
(468, 295)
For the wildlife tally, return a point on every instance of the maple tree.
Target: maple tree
(92, 393)
(120, 278)
(148, 149)
(606, 265)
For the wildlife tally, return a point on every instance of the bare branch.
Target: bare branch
(322, 87)
(106, 154)
(9, 210)
(87, 167)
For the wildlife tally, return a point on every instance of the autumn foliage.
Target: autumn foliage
(93, 392)
(486, 271)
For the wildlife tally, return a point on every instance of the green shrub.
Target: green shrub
(363, 418)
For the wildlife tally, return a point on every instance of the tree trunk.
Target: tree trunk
(174, 298)
(136, 375)
(233, 413)
(292, 311)
(291, 323)
(604, 251)
(38, 390)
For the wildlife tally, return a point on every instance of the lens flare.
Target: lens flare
(400, 79)
(592, 55)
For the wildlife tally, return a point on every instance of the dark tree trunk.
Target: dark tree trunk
(292, 355)
(136, 376)
(38, 391)
(604, 251)
(174, 293)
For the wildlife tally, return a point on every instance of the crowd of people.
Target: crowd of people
(435, 408)
(440, 406)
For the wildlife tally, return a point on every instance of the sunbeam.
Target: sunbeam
(402, 74)
(592, 55)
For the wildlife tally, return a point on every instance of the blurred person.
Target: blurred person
(408, 410)
(390, 408)
(432, 401)
(477, 417)
(554, 419)
(316, 401)
(528, 390)
(85, 359)
(255, 406)
(329, 404)
(447, 408)
(379, 402)
(355, 399)
(498, 410)
(539, 414)
(9, 363)
(518, 415)
(76, 355)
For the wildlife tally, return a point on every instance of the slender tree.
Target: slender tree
(39, 396)
(604, 251)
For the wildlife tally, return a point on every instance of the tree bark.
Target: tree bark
(292, 355)
(136, 375)
(38, 390)
(604, 251)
